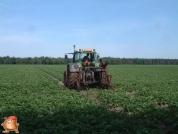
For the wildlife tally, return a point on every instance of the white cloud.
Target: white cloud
(16, 39)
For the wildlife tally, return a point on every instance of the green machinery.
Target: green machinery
(86, 69)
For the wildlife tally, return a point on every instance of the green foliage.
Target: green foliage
(144, 101)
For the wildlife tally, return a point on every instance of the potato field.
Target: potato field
(144, 101)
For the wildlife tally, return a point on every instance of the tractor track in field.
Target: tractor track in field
(90, 94)
(59, 82)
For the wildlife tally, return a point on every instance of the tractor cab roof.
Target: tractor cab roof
(86, 50)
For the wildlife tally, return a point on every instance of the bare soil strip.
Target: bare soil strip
(92, 95)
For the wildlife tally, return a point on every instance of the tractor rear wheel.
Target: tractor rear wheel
(73, 81)
(70, 80)
(77, 82)
(65, 78)
(104, 80)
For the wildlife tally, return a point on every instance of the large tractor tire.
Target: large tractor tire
(65, 78)
(105, 80)
(70, 80)
(77, 82)
(73, 81)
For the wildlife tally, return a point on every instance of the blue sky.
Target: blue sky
(117, 28)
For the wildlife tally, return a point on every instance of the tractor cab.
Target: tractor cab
(81, 54)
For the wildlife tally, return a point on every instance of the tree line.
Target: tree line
(110, 60)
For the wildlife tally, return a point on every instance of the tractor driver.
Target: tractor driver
(86, 57)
